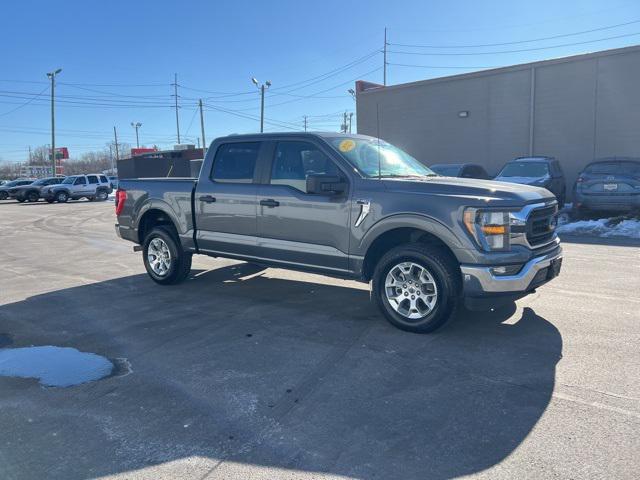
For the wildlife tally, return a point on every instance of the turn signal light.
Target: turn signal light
(494, 229)
(121, 197)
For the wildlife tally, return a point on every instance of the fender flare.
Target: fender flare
(409, 220)
(165, 208)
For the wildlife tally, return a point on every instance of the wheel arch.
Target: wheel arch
(386, 235)
(153, 217)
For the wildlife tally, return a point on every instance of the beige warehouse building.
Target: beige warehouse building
(576, 109)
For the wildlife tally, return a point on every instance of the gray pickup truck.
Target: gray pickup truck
(350, 206)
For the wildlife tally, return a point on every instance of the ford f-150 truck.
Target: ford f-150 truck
(350, 206)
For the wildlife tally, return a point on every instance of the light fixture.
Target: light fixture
(463, 113)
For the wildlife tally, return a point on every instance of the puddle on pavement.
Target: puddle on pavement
(54, 366)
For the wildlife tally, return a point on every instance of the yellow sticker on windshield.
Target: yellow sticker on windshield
(347, 145)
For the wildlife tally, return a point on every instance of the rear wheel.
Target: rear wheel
(163, 257)
(417, 287)
(33, 196)
(101, 195)
(3, 195)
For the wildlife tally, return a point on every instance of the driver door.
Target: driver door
(295, 227)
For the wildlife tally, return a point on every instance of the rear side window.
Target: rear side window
(235, 162)
(103, 179)
(295, 160)
(92, 179)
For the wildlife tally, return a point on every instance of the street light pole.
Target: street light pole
(136, 125)
(52, 76)
(262, 88)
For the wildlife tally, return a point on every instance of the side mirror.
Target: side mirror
(325, 184)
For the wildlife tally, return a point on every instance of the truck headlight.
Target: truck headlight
(489, 228)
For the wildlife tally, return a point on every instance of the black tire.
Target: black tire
(180, 261)
(33, 196)
(101, 195)
(20, 199)
(50, 200)
(3, 195)
(62, 197)
(445, 273)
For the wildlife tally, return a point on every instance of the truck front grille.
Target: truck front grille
(541, 225)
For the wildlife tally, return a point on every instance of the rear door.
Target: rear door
(225, 200)
(93, 184)
(307, 230)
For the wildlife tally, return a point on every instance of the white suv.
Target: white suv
(92, 187)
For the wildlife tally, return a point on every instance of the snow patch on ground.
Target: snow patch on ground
(604, 227)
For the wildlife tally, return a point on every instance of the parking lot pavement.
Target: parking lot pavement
(243, 372)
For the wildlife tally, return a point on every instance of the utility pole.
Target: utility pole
(384, 82)
(115, 136)
(113, 165)
(136, 125)
(52, 76)
(305, 123)
(343, 128)
(350, 117)
(204, 142)
(30, 157)
(262, 88)
(175, 90)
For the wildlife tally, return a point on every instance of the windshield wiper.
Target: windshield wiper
(397, 175)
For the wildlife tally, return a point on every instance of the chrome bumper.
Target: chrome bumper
(479, 280)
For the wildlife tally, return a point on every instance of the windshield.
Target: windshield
(42, 181)
(15, 183)
(69, 180)
(525, 169)
(373, 157)
(446, 170)
(615, 168)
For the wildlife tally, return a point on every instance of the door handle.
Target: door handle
(207, 198)
(269, 203)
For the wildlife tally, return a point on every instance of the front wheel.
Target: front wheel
(163, 257)
(62, 197)
(33, 196)
(3, 195)
(417, 287)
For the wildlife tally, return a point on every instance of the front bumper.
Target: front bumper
(478, 280)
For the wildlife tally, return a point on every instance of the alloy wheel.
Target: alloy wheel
(411, 290)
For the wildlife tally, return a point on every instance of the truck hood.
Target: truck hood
(476, 192)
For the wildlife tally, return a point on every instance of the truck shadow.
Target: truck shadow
(244, 366)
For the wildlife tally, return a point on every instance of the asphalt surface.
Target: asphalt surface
(247, 373)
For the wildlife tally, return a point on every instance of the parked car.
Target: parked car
(31, 191)
(92, 187)
(113, 180)
(462, 170)
(4, 189)
(350, 206)
(609, 184)
(543, 172)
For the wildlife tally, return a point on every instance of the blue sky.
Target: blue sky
(119, 58)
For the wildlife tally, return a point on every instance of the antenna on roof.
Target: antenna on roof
(378, 137)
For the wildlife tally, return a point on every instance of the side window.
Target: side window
(294, 161)
(92, 179)
(235, 162)
(80, 181)
(103, 179)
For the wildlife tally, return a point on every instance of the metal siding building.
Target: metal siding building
(575, 109)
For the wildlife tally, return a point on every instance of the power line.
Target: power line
(25, 103)
(444, 67)
(609, 27)
(516, 51)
